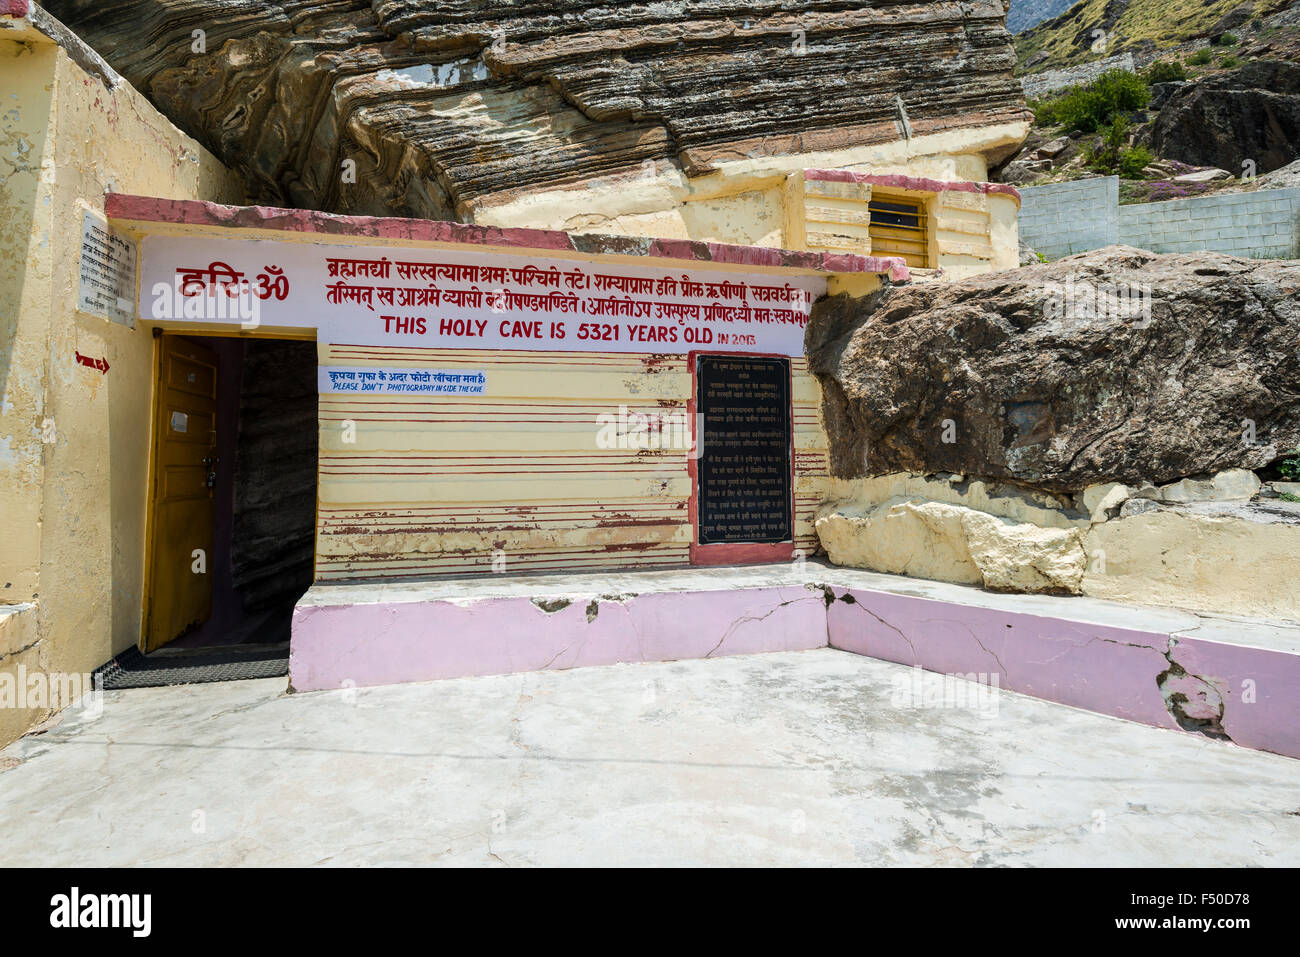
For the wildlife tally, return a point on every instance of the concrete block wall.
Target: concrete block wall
(1064, 218)
(1259, 225)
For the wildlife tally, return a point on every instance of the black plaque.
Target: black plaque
(744, 467)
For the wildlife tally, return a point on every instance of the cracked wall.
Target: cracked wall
(1166, 670)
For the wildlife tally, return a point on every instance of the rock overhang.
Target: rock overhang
(444, 108)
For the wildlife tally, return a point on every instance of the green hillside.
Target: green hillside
(1130, 25)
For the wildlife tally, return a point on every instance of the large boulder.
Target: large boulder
(1046, 377)
(1249, 114)
(1230, 21)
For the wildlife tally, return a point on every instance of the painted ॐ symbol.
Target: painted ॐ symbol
(273, 282)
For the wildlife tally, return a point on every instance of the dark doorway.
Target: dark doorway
(264, 493)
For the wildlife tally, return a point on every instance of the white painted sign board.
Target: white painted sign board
(373, 380)
(106, 286)
(467, 299)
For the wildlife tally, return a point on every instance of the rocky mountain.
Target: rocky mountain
(1202, 116)
(1094, 28)
(445, 106)
(1247, 116)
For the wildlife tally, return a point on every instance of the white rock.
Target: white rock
(946, 542)
(1288, 175)
(1147, 490)
(1098, 499)
(1055, 148)
(1290, 488)
(859, 496)
(1138, 506)
(1203, 176)
(902, 536)
(1230, 485)
(1018, 557)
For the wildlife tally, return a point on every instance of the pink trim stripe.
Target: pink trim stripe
(152, 209)
(920, 184)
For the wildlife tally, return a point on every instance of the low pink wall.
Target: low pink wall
(1260, 690)
(374, 644)
(1100, 668)
(1106, 669)
(1110, 670)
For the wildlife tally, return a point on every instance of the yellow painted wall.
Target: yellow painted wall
(967, 233)
(72, 548)
(434, 485)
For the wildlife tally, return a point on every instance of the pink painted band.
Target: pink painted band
(920, 184)
(152, 209)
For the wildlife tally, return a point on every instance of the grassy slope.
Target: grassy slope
(1165, 22)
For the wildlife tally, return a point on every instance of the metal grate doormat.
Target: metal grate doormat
(131, 669)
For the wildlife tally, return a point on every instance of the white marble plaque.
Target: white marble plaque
(107, 273)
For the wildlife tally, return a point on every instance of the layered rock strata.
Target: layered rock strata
(408, 108)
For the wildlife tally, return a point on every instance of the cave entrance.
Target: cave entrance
(233, 491)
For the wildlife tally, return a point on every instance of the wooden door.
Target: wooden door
(185, 424)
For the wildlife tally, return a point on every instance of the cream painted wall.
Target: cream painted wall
(74, 442)
(410, 485)
(26, 196)
(748, 202)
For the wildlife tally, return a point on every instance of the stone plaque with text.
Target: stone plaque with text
(744, 468)
(106, 285)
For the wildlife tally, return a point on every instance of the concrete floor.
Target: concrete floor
(794, 758)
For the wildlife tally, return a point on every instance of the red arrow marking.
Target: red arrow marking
(100, 364)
